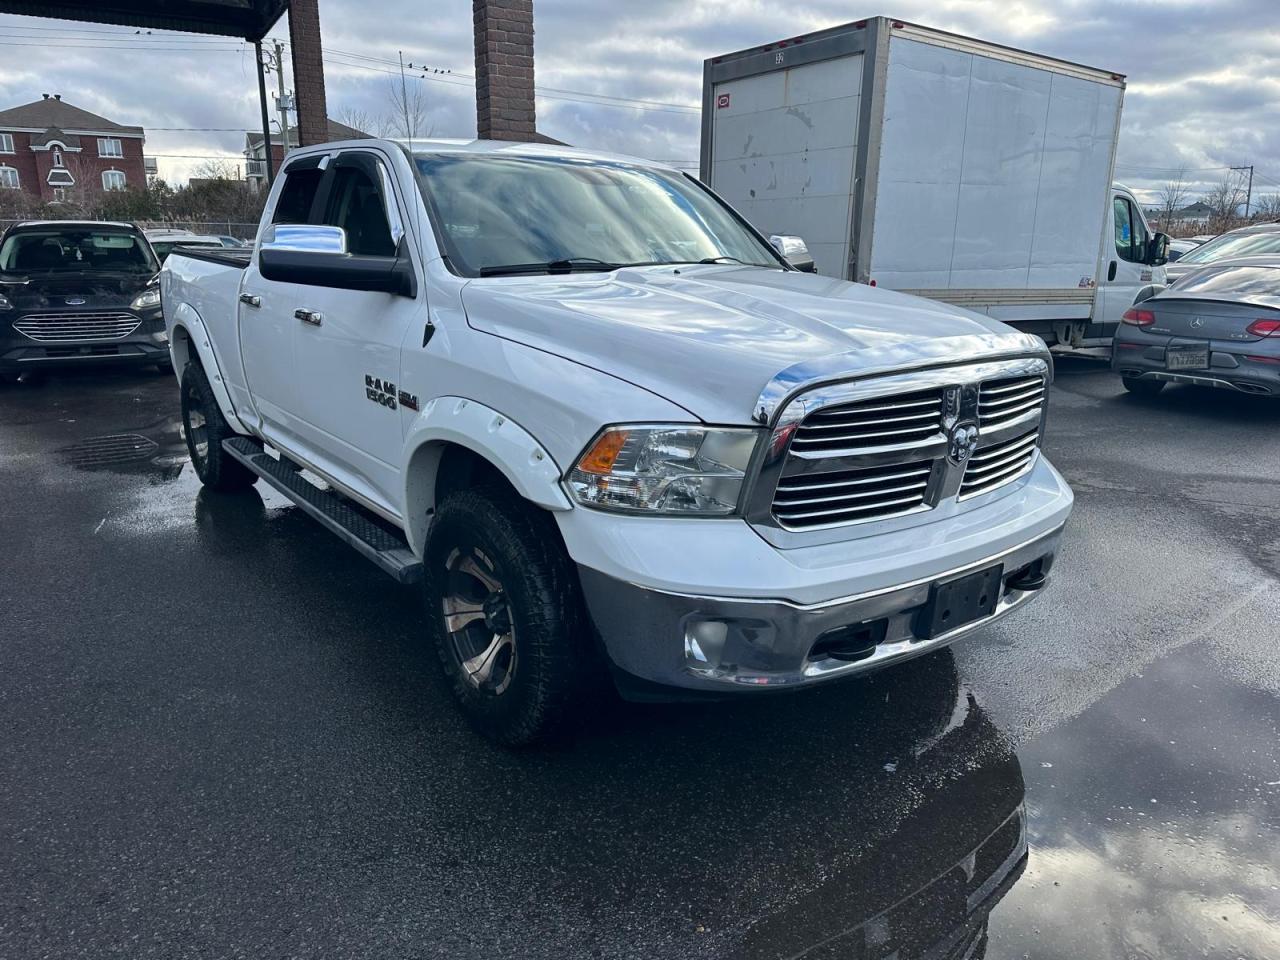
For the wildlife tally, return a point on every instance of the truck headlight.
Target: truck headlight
(661, 469)
(149, 297)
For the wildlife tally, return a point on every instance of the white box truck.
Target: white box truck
(938, 165)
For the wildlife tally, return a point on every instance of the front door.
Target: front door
(1124, 270)
(267, 325)
(347, 351)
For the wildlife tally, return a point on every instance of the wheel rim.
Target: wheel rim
(197, 430)
(478, 618)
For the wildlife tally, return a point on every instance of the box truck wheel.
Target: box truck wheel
(506, 614)
(205, 428)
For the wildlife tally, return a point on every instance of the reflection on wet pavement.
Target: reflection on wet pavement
(225, 737)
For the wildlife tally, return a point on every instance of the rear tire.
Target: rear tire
(505, 611)
(1140, 387)
(205, 428)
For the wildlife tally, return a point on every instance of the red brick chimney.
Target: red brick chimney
(308, 71)
(504, 69)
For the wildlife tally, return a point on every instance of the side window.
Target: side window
(297, 195)
(356, 204)
(1129, 245)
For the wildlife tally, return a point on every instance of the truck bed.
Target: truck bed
(227, 256)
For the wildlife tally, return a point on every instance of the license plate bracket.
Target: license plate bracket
(1187, 356)
(954, 603)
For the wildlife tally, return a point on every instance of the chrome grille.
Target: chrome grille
(1003, 401)
(77, 327)
(998, 464)
(868, 424)
(841, 496)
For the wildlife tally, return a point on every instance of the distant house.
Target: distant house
(56, 151)
(255, 167)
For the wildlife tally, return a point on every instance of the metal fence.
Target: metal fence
(243, 231)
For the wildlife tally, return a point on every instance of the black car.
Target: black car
(76, 292)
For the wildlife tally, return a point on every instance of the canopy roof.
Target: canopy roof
(249, 19)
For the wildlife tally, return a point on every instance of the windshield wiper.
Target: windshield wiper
(568, 265)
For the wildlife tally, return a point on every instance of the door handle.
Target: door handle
(250, 300)
(313, 317)
(1111, 271)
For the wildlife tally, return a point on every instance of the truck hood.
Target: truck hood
(710, 338)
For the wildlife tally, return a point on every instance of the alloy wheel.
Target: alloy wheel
(477, 617)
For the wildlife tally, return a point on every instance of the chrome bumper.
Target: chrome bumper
(720, 644)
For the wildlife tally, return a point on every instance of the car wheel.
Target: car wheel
(1140, 387)
(506, 615)
(205, 428)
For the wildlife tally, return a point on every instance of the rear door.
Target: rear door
(266, 323)
(1124, 272)
(347, 349)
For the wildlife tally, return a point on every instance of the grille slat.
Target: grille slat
(999, 464)
(876, 422)
(1003, 401)
(76, 327)
(849, 495)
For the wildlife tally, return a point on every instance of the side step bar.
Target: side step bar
(385, 549)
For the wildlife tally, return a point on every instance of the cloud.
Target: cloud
(1201, 91)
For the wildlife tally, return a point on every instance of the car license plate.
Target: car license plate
(1187, 356)
(954, 603)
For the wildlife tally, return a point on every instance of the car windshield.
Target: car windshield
(500, 212)
(62, 250)
(1234, 245)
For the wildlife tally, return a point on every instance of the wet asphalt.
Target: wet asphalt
(221, 735)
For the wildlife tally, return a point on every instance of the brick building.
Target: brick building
(55, 151)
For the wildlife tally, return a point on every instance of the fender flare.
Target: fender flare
(486, 432)
(187, 334)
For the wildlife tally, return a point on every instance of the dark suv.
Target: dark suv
(73, 293)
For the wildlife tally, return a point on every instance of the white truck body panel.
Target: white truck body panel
(925, 162)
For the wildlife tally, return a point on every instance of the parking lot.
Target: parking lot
(224, 734)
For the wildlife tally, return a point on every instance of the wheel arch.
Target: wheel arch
(188, 341)
(457, 440)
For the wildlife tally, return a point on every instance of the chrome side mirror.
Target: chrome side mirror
(304, 238)
(795, 251)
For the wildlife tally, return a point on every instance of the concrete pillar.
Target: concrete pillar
(308, 71)
(504, 69)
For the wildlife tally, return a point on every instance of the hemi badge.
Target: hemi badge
(408, 400)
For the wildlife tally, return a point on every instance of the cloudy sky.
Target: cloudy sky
(1203, 93)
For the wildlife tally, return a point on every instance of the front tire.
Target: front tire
(205, 428)
(506, 615)
(1141, 387)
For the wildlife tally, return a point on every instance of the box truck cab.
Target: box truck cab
(937, 165)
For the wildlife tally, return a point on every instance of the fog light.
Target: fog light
(704, 642)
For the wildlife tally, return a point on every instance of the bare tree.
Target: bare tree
(212, 169)
(408, 116)
(1173, 197)
(1267, 207)
(366, 121)
(1224, 200)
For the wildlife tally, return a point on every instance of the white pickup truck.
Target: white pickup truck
(609, 428)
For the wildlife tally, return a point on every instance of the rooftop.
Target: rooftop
(53, 111)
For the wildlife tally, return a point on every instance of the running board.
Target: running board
(385, 549)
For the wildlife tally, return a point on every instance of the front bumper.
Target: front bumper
(802, 616)
(147, 344)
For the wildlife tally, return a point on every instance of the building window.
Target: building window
(8, 178)
(59, 194)
(110, 147)
(57, 157)
(112, 180)
(6, 143)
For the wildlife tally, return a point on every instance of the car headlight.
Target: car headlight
(664, 469)
(149, 297)
(4, 303)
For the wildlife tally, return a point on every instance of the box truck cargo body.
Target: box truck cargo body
(936, 165)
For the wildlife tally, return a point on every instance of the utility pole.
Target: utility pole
(404, 98)
(262, 102)
(283, 100)
(1248, 196)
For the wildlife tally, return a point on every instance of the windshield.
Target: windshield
(1234, 245)
(61, 250)
(495, 212)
